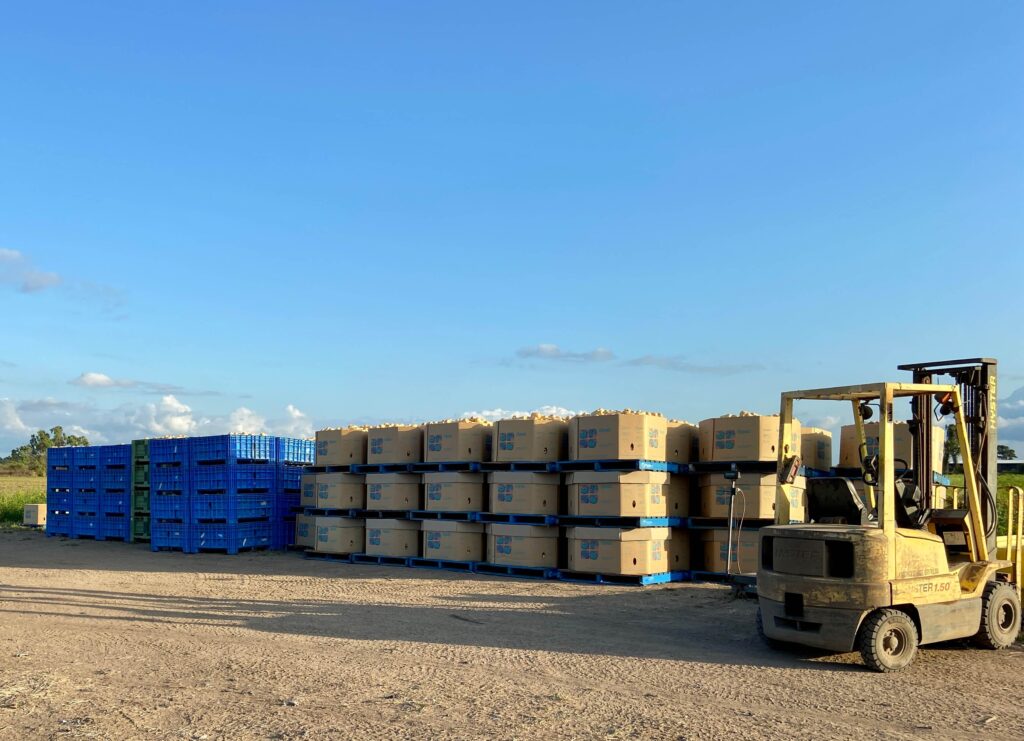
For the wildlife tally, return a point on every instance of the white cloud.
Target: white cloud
(7, 255)
(91, 379)
(494, 415)
(297, 424)
(547, 351)
(95, 380)
(244, 419)
(16, 270)
(10, 420)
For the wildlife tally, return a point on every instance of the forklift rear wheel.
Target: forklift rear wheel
(888, 640)
(1000, 617)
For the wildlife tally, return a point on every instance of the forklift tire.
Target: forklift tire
(888, 640)
(1000, 617)
(772, 643)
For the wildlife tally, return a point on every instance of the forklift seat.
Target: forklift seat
(834, 501)
(911, 511)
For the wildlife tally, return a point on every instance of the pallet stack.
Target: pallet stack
(140, 491)
(114, 515)
(85, 492)
(293, 455)
(59, 490)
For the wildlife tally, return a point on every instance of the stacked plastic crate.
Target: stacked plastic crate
(233, 490)
(293, 455)
(85, 492)
(140, 491)
(59, 478)
(169, 482)
(115, 492)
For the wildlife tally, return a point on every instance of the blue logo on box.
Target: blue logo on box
(505, 492)
(433, 540)
(588, 438)
(376, 445)
(588, 550)
(503, 544)
(588, 493)
(434, 492)
(506, 441)
(374, 491)
(373, 536)
(433, 443)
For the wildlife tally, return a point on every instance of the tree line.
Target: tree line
(30, 458)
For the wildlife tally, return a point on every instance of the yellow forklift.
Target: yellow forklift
(885, 571)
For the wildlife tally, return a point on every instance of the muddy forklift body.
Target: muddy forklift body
(881, 570)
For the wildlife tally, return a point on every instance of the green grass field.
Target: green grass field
(1006, 480)
(16, 492)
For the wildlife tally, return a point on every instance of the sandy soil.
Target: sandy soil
(105, 640)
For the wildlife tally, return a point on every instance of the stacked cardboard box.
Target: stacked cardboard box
(903, 445)
(465, 440)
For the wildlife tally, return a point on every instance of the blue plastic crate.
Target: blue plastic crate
(85, 457)
(288, 501)
(83, 525)
(289, 477)
(169, 477)
(233, 448)
(165, 505)
(234, 477)
(114, 527)
(284, 534)
(62, 457)
(85, 501)
(59, 478)
(115, 478)
(115, 501)
(169, 535)
(86, 478)
(232, 538)
(295, 450)
(115, 456)
(59, 499)
(58, 522)
(231, 507)
(170, 450)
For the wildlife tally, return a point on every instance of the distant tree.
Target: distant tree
(32, 456)
(951, 448)
(1005, 453)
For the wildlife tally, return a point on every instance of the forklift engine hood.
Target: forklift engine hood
(830, 565)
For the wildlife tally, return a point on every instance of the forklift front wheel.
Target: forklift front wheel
(1000, 617)
(888, 640)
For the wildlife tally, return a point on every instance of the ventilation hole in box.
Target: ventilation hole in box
(634, 504)
(631, 446)
(634, 562)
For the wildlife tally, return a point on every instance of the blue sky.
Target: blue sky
(283, 216)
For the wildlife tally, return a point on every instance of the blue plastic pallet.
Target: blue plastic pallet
(231, 538)
(114, 527)
(520, 466)
(318, 512)
(234, 477)
(340, 469)
(446, 467)
(367, 559)
(336, 557)
(435, 563)
(84, 525)
(115, 502)
(621, 579)
(233, 448)
(422, 514)
(587, 521)
(621, 465)
(522, 572)
(295, 450)
(499, 518)
(371, 468)
(382, 514)
(230, 507)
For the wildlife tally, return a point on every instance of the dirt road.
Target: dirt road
(105, 640)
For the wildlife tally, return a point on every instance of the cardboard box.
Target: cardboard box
(522, 545)
(532, 439)
(341, 535)
(744, 551)
(756, 503)
(679, 550)
(340, 491)
(517, 493)
(682, 441)
(394, 491)
(308, 490)
(816, 448)
(453, 541)
(903, 444)
(34, 515)
(341, 447)
(632, 494)
(454, 492)
(457, 441)
(745, 437)
(396, 538)
(305, 531)
(395, 444)
(618, 436)
(611, 550)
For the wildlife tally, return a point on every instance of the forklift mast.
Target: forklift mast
(977, 379)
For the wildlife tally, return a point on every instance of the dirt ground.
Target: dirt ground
(106, 640)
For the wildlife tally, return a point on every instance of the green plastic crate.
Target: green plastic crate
(140, 499)
(140, 450)
(140, 474)
(140, 528)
